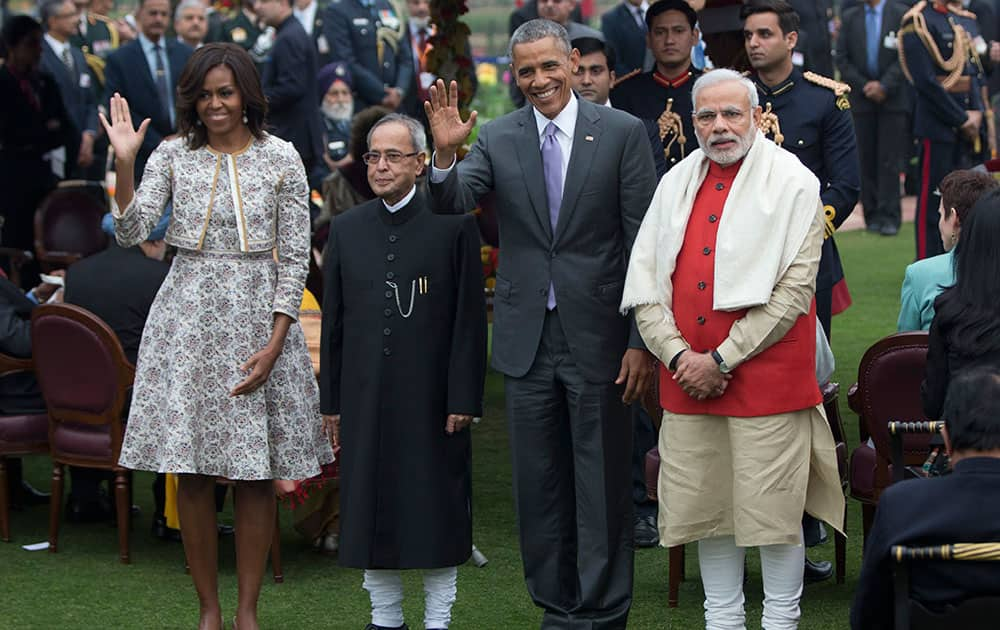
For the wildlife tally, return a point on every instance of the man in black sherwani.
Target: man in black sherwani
(402, 370)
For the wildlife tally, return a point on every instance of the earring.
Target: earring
(197, 122)
(244, 116)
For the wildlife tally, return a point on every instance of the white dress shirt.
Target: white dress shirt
(399, 205)
(307, 17)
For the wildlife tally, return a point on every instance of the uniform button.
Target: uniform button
(388, 312)
(390, 276)
(672, 160)
(393, 238)
(385, 65)
(712, 218)
(801, 142)
(707, 251)
(701, 320)
(364, 31)
(386, 351)
(701, 286)
(386, 331)
(390, 257)
(720, 186)
(388, 294)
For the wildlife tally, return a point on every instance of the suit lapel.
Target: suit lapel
(529, 156)
(585, 140)
(140, 61)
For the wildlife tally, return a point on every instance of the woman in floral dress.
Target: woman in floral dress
(224, 386)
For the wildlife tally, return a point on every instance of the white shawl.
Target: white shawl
(767, 214)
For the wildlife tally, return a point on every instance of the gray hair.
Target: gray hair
(418, 137)
(722, 75)
(48, 9)
(189, 4)
(534, 30)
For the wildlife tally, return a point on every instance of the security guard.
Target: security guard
(938, 56)
(662, 97)
(372, 37)
(807, 114)
(242, 29)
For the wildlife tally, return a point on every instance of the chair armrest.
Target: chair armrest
(13, 365)
(59, 258)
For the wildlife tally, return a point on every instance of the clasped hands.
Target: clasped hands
(699, 376)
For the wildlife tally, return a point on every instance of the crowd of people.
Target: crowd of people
(667, 190)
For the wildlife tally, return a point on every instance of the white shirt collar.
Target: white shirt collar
(565, 121)
(57, 45)
(147, 44)
(307, 16)
(399, 205)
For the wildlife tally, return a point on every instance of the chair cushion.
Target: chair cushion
(83, 440)
(652, 472)
(26, 429)
(863, 473)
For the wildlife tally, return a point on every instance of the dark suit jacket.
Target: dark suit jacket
(18, 392)
(289, 82)
(608, 187)
(78, 93)
(350, 30)
(814, 35)
(529, 11)
(626, 37)
(919, 512)
(123, 304)
(852, 60)
(128, 74)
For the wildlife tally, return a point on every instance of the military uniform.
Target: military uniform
(809, 115)
(665, 105)
(97, 40)
(241, 30)
(938, 58)
(373, 41)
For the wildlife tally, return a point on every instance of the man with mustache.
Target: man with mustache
(721, 282)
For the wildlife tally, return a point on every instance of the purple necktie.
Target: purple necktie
(552, 161)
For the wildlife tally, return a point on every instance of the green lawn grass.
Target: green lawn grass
(83, 586)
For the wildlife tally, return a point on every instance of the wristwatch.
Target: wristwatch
(725, 369)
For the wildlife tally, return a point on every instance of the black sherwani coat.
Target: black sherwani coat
(405, 483)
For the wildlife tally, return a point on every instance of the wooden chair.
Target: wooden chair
(888, 388)
(68, 225)
(978, 613)
(896, 431)
(20, 434)
(85, 379)
(831, 395)
(16, 258)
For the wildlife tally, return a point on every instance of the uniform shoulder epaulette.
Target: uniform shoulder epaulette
(625, 77)
(913, 11)
(100, 18)
(839, 89)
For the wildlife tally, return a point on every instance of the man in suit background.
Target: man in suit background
(572, 181)
(624, 28)
(289, 82)
(936, 511)
(68, 66)
(868, 61)
(814, 35)
(191, 23)
(372, 38)
(529, 11)
(145, 72)
(307, 12)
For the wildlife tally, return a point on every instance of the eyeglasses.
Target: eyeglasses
(394, 157)
(707, 116)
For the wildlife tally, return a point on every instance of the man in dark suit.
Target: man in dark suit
(814, 35)
(289, 82)
(310, 16)
(529, 11)
(624, 28)
(572, 181)
(924, 512)
(145, 72)
(868, 61)
(372, 38)
(68, 66)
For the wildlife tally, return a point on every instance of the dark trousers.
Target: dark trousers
(571, 447)
(882, 143)
(937, 159)
(643, 439)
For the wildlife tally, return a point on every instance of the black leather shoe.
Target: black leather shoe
(817, 571)
(646, 534)
(889, 230)
(372, 626)
(161, 531)
(225, 530)
(874, 227)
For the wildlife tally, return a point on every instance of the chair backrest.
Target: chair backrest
(889, 378)
(84, 376)
(68, 225)
(975, 613)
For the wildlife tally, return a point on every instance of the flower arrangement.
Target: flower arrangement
(447, 56)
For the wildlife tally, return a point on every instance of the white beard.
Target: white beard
(337, 111)
(732, 156)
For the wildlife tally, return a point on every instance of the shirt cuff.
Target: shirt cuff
(438, 175)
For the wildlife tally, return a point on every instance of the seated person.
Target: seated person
(935, 511)
(337, 106)
(925, 279)
(19, 393)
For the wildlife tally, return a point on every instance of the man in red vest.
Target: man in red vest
(722, 279)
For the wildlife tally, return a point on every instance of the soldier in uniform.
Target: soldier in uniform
(662, 97)
(939, 58)
(371, 36)
(809, 115)
(243, 29)
(97, 37)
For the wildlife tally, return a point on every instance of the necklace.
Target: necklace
(413, 292)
